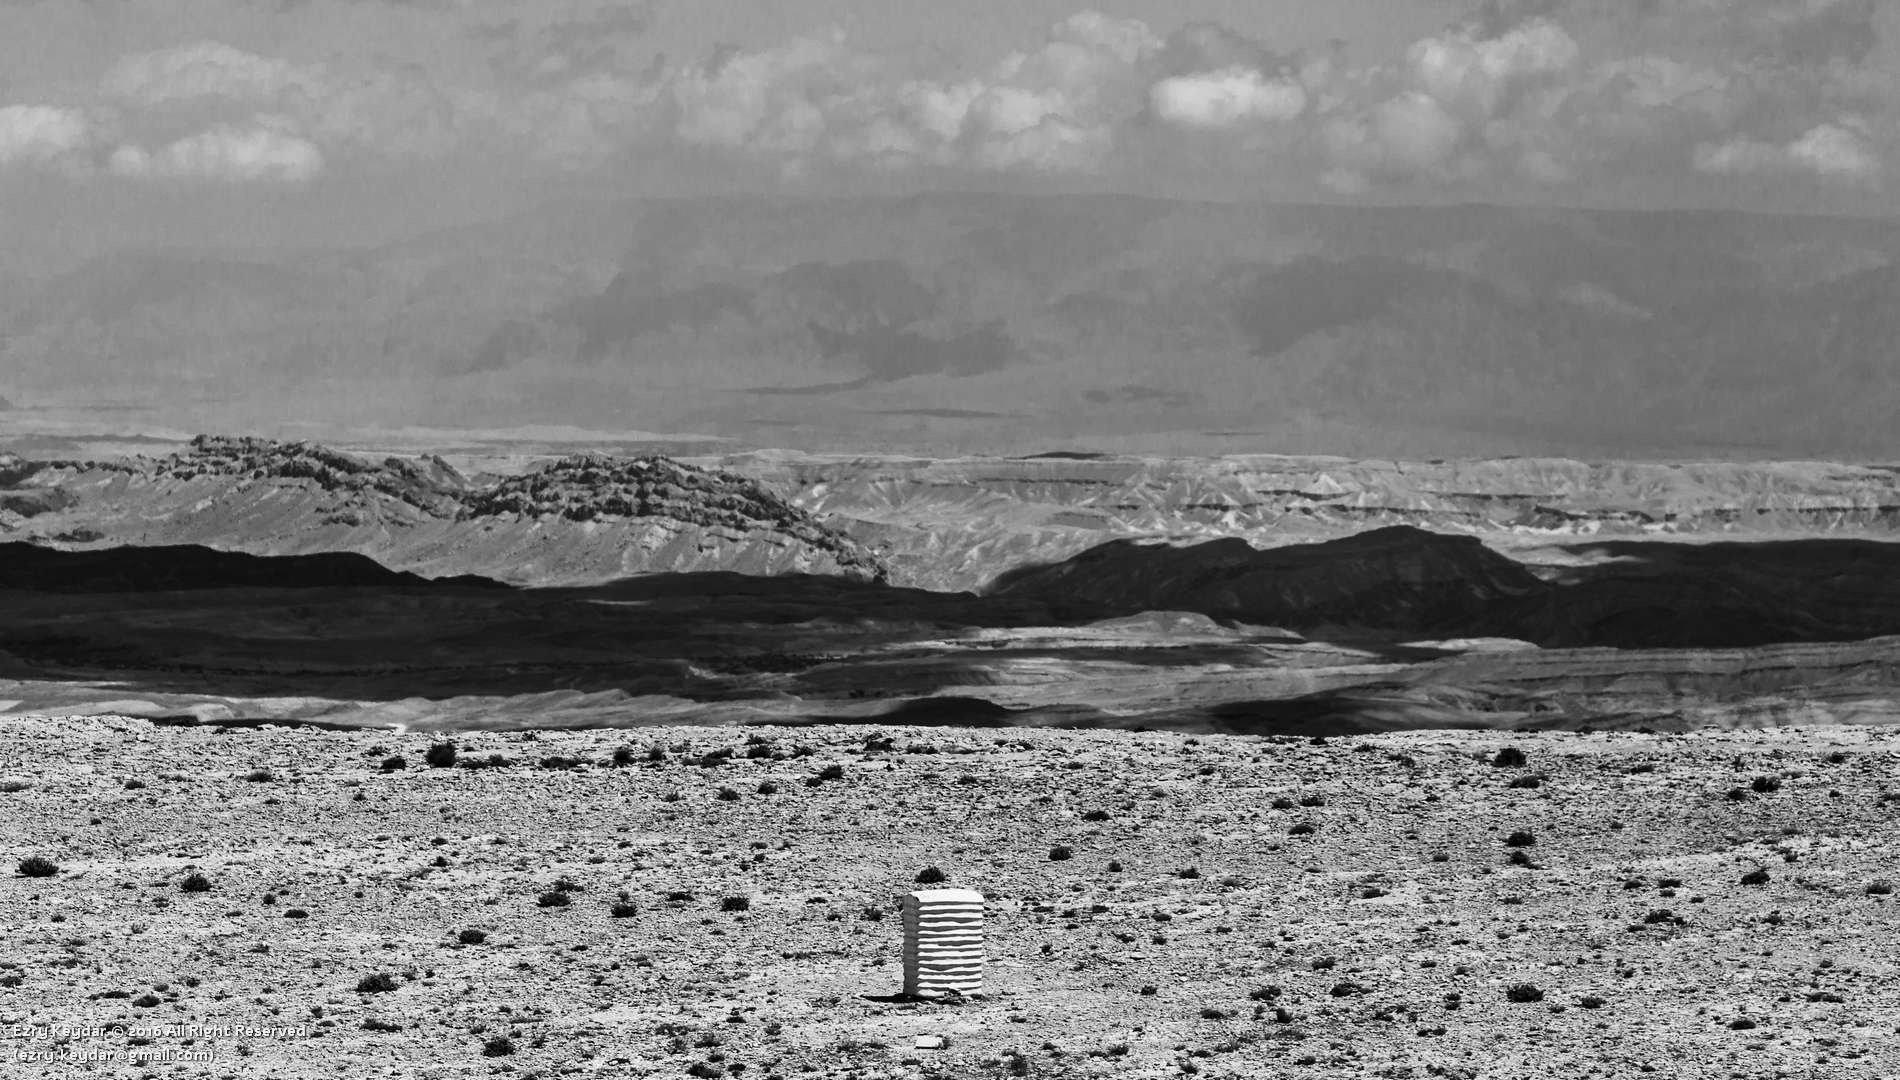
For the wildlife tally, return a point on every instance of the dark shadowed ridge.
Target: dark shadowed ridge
(33, 568)
(1400, 579)
(1403, 582)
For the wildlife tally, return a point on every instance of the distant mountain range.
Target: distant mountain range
(1007, 322)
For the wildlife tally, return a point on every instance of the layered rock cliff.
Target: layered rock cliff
(577, 521)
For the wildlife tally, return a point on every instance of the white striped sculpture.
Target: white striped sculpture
(943, 942)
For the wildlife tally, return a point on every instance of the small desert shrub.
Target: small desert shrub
(1114, 866)
(134, 785)
(829, 772)
(196, 883)
(259, 776)
(441, 755)
(623, 757)
(624, 909)
(1283, 803)
(1509, 758)
(553, 899)
(1061, 853)
(679, 896)
(1591, 1001)
(1095, 815)
(1302, 829)
(873, 913)
(1520, 838)
(736, 903)
(1743, 1024)
(1836, 758)
(1526, 782)
(1523, 994)
(393, 763)
(1520, 858)
(296, 913)
(1765, 785)
(767, 787)
(726, 794)
(471, 937)
(380, 983)
(1263, 993)
(37, 866)
(1211, 1013)
(1659, 916)
(373, 1024)
(1313, 800)
(931, 875)
(146, 1001)
(1883, 887)
(1755, 877)
(499, 1046)
(1188, 873)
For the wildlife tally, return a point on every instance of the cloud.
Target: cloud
(204, 69)
(1553, 91)
(775, 100)
(226, 154)
(1055, 108)
(1520, 93)
(1225, 98)
(1838, 151)
(42, 134)
(1461, 105)
(1802, 33)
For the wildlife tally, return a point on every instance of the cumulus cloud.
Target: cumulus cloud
(1547, 91)
(1064, 106)
(1522, 92)
(380, 108)
(1838, 151)
(204, 69)
(42, 134)
(1225, 98)
(223, 153)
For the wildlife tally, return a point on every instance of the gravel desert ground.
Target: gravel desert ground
(723, 902)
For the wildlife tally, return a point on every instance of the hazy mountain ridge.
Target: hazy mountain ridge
(1363, 330)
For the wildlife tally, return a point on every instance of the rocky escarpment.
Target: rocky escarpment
(595, 487)
(430, 483)
(580, 520)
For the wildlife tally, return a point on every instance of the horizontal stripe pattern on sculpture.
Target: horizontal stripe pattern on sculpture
(943, 942)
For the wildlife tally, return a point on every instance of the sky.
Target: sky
(305, 122)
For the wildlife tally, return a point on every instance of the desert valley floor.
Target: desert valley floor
(713, 902)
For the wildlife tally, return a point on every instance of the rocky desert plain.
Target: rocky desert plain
(341, 762)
